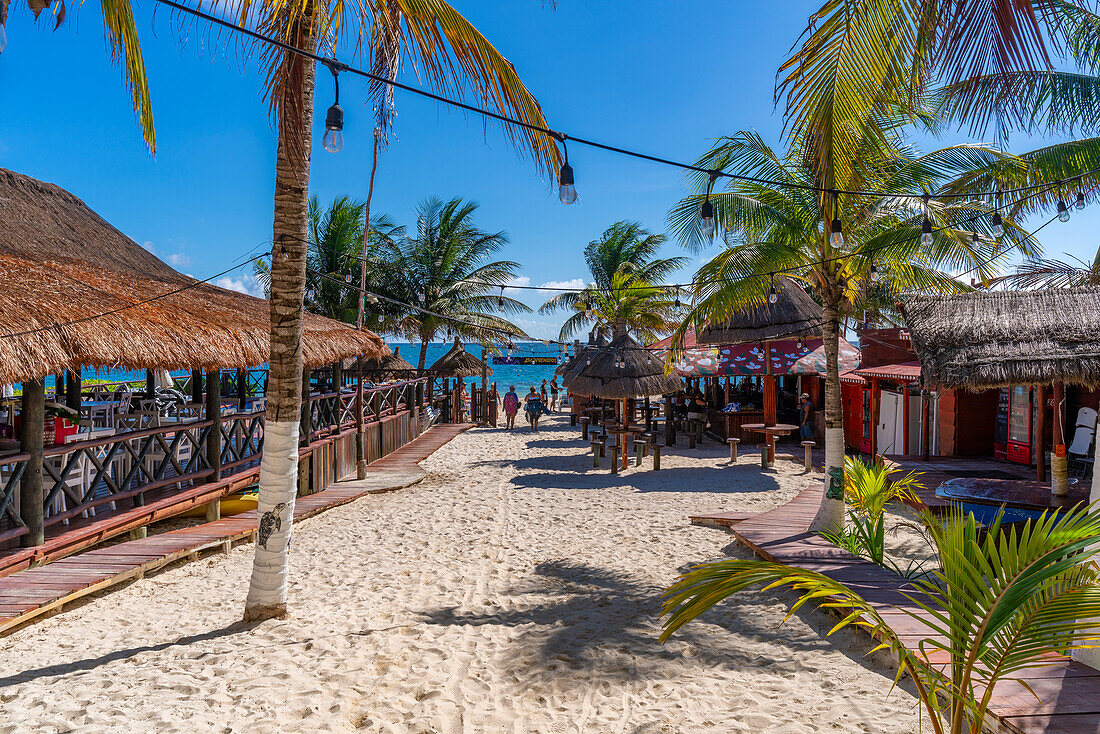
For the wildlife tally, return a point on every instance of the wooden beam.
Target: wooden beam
(1040, 433)
(196, 386)
(242, 389)
(905, 418)
(214, 412)
(150, 385)
(874, 417)
(31, 499)
(72, 390)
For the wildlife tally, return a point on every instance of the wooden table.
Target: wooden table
(624, 432)
(770, 432)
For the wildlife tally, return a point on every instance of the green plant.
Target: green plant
(1000, 604)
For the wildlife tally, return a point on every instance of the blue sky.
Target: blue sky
(661, 77)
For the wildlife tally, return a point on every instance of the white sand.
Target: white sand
(514, 590)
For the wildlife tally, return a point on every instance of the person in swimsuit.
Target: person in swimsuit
(535, 408)
(511, 407)
(554, 394)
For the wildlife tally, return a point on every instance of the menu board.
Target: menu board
(1000, 428)
(1019, 420)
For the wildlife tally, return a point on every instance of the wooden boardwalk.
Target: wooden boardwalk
(1068, 692)
(30, 593)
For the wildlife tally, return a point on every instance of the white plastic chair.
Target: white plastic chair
(1086, 417)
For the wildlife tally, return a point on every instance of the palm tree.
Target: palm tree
(335, 249)
(781, 228)
(122, 40)
(999, 603)
(449, 54)
(444, 273)
(627, 277)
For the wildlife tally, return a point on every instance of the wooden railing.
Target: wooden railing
(119, 472)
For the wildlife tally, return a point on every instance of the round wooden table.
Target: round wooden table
(770, 432)
(623, 433)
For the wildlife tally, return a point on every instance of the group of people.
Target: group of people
(535, 404)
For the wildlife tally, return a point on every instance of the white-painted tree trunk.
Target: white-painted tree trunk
(279, 482)
(1092, 657)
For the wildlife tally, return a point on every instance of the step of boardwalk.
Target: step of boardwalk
(31, 593)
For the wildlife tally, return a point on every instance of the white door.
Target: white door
(887, 428)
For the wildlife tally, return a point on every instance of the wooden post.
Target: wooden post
(1040, 432)
(1059, 475)
(615, 459)
(196, 386)
(656, 457)
(303, 425)
(905, 418)
(242, 390)
(360, 446)
(150, 385)
(770, 412)
(72, 390)
(727, 400)
(670, 422)
(874, 417)
(31, 499)
(484, 406)
(214, 438)
(925, 434)
(338, 404)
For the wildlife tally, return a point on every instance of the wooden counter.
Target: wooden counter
(728, 425)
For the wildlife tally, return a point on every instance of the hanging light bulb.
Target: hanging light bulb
(998, 226)
(974, 237)
(347, 278)
(372, 299)
(926, 232)
(798, 344)
(1080, 203)
(1063, 211)
(836, 231)
(874, 273)
(567, 193)
(772, 295)
(706, 211)
(333, 140)
(676, 303)
(500, 300)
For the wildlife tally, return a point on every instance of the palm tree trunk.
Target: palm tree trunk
(831, 512)
(279, 465)
(423, 354)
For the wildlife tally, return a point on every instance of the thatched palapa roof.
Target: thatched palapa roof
(792, 315)
(457, 362)
(60, 264)
(643, 373)
(1002, 338)
(583, 357)
(388, 366)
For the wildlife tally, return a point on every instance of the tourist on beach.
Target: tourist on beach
(535, 407)
(542, 393)
(806, 418)
(511, 407)
(553, 394)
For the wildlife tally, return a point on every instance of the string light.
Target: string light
(333, 140)
(998, 226)
(874, 273)
(567, 192)
(706, 211)
(500, 300)
(772, 295)
(926, 226)
(1063, 211)
(676, 304)
(1080, 203)
(372, 299)
(836, 232)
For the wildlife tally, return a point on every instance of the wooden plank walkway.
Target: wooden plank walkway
(1068, 692)
(30, 593)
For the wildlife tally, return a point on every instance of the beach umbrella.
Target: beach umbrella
(457, 362)
(621, 369)
(386, 367)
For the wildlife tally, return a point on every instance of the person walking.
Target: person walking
(806, 417)
(542, 393)
(535, 407)
(553, 394)
(511, 407)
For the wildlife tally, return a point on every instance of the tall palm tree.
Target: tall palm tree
(444, 268)
(447, 53)
(626, 279)
(335, 249)
(122, 40)
(781, 228)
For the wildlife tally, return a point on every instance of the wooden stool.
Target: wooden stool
(603, 444)
(647, 440)
(584, 427)
(733, 448)
(639, 449)
(699, 427)
(809, 445)
(764, 463)
(691, 434)
(615, 459)
(595, 453)
(656, 457)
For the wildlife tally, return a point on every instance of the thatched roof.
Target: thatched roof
(457, 362)
(386, 367)
(61, 263)
(568, 362)
(584, 356)
(996, 339)
(643, 373)
(792, 315)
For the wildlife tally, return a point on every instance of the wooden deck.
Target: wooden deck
(1068, 692)
(30, 593)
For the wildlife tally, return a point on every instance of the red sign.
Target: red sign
(1060, 450)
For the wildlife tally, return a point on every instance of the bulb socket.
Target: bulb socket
(565, 176)
(334, 119)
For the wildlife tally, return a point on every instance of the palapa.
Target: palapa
(584, 356)
(388, 367)
(793, 314)
(642, 373)
(457, 362)
(996, 339)
(75, 292)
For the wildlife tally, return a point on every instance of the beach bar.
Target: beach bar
(77, 293)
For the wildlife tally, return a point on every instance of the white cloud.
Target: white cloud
(247, 284)
(177, 259)
(148, 245)
(574, 284)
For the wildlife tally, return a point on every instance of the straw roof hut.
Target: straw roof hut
(388, 366)
(457, 362)
(642, 374)
(793, 314)
(986, 340)
(75, 292)
(584, 356)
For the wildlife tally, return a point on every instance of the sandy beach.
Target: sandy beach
(515, 589)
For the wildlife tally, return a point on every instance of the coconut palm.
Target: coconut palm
(624, 266)
(780, 228)
(447, 53)
(1000, 601)
(122, 40)
(444, 273)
